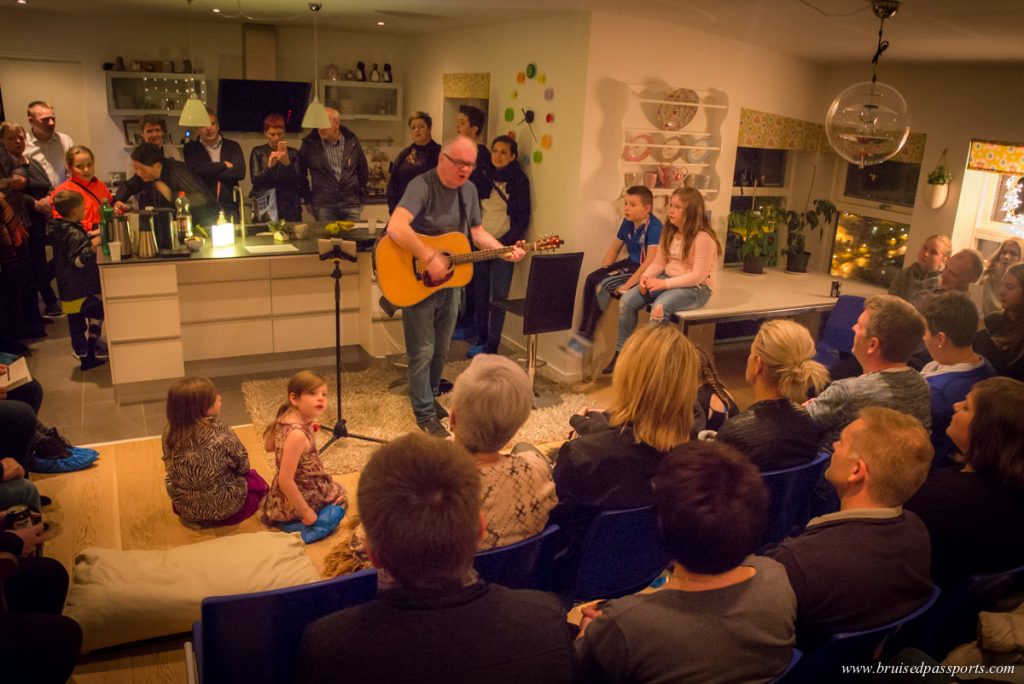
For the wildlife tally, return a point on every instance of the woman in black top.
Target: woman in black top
(421, 156)
(975, 516)
(274, 166)
(776, 431)
(1002, 340)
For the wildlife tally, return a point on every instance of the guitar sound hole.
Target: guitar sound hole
(430, 282)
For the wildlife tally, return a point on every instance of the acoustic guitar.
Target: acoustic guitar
(405, 281)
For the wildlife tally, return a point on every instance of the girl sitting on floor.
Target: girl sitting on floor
(301, 487)
(682, 274)
(208, 475)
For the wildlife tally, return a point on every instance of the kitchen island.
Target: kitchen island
(237, 308)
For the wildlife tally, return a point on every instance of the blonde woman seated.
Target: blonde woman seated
(490, 402)
(776, 431)
(611, 464)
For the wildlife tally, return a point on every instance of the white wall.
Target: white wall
(951, 104)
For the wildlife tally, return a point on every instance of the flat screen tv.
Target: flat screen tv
(243, 104)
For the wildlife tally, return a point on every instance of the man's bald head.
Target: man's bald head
(962, 270)
(333, 133)
(457, 161)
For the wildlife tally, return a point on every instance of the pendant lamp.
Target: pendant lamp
(869, 122)
(194, 112)
(316, 114)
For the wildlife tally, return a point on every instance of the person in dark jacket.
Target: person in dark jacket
(275, 166)
(78, 277)
(506, 213)
(157, 182)
(218, 162)
(433, 619)
(415, 159)
(1001, 341)
(337, 169)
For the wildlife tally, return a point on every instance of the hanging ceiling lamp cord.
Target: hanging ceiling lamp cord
(315, 6)
(882, 46)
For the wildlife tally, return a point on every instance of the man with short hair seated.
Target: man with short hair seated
(952, 321)
(884, 338)
(869, 563)
(419, 498)
(723, 615)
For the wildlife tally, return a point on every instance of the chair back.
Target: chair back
(793, 660)
(621, 554)
(955, 620)
(789, 493)
(551, 292)
(255, 638)
(850, 648)
(837, 335)
(524, 565)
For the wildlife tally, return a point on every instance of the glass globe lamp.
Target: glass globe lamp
(868, 123)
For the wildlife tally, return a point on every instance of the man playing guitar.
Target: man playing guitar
(436, 202)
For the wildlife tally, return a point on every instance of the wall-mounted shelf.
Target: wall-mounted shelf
(137, 93)
(363, 100)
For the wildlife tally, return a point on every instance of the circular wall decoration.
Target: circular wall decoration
(529, 96)
(672, 117)
(668, 155)
(635, 150)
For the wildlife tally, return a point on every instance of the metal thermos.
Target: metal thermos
(120, 231)
(163, 228)
(147, 248)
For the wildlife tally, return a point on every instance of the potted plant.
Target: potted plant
(939, 180)
(824, 213)
(758, 231)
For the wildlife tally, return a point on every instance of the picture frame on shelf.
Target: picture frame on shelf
(132, 131)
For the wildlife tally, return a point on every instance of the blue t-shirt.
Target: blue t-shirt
(947, 389)
(639, 239)
(435, 208)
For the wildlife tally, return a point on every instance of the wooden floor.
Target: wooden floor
(121, 503)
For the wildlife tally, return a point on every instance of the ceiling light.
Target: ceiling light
(316, 114)
(216, 10)
(194, 112)
(380, 23)
(22, 2)
(869, 122)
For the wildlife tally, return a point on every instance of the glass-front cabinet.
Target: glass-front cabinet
(136, 93)
(363, 100)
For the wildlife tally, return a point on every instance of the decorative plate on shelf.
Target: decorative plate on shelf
(672, 117)
(667, 155)
(635, 150)
(698, 155)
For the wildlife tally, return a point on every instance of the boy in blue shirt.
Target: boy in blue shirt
(640, 232)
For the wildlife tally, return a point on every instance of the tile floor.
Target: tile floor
(82, 407)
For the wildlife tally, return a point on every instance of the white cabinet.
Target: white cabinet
(363, 100)
(137, 93)
(670, 137)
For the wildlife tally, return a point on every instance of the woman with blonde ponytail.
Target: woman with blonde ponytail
(776, 432)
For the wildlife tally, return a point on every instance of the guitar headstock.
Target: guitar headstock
(545, 243)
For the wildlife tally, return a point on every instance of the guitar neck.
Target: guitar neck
(486, 254)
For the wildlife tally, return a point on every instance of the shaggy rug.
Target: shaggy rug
(371, 409)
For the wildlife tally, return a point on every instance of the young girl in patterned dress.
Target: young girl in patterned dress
(208, 476)
(301, 486)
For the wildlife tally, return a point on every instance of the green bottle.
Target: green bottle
(106, 214)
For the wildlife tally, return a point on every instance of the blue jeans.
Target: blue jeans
(672, 300)
(492, 280)
(428, 328)
(336, 212)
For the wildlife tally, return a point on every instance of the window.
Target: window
(766, 167)
(891, 182)
(991, 226)
(869, 248)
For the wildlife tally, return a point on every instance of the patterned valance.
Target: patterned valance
(777, 132)
(1000, 157)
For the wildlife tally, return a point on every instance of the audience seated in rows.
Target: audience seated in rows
(490, 402)
(867, 564)
(975, 516)
(961, 273)
(884, 337)
(952, 319)
(1002, 339)
(776, 432)
(723, 615)
(611, 464)
(925, 272)
(419, 498)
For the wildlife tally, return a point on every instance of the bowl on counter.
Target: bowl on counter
(195, 243)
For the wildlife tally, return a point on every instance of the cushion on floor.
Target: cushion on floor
(123, 596)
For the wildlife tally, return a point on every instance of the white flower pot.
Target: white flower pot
(938, 195)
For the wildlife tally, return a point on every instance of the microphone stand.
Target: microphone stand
(340, 429)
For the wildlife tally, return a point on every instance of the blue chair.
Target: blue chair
(955, 619)
(523, 565)
(254, 638)
(789, 491)
(850, 648)
(793, 660)
(621, 554)
(837, 335)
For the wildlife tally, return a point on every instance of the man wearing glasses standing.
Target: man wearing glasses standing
(337, 169)
(435, 202)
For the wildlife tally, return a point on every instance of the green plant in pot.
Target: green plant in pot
(824, 213)
(938, 185)
(758, 230)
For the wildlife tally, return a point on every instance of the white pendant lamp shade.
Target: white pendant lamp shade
(316, 115)
(868, 123)
(194, 113)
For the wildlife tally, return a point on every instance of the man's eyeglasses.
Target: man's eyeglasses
(460, 163)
